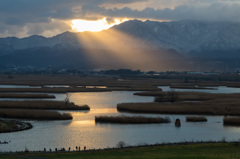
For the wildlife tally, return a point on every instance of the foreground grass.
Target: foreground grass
(191, 151)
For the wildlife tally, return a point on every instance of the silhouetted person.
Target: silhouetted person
(44, 150)
(56, 149)
(50, 150)
(76, 148)
(69, 148)
(84, 148)
(79, 148)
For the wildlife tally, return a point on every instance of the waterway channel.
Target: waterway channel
(83, 131)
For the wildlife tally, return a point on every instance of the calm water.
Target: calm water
(57, 86)
(18, 86)
(83, 131)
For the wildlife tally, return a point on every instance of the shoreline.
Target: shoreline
(126, 147)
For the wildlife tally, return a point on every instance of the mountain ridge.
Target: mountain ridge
(157, 41)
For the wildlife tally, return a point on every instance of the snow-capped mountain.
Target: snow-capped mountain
(182, 36)
(161, 41)
(186, 36)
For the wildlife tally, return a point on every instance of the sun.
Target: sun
(94, 26)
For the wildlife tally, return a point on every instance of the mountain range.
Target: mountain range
(149, 45)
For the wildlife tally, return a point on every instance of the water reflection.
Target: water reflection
(96, 86)
(56, 86)
(83, 122)
(82, 130)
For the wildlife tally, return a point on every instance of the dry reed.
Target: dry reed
(53, 105)
(196, 119)
(11, 95)
(234, 121)
(34, 114)
(209, 104)
(130, 120)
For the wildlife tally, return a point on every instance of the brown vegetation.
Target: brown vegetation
(189, 87)
(196, 119)
(34, 114)
(54, 90)
(182, 96)
(13, 125)
(130, 120)
(217, 104)
(18, 95)
(110, 81)
(170, 96)
(234, 121)
(52, 105)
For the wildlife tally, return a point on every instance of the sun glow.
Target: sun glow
(94, 26)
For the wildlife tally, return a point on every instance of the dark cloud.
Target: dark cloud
(36, 16)
(214, 11)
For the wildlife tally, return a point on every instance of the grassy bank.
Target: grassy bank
(53, 105)
(182, 151)
(130, 120)
(16, 95)
(196, 119)
(34, 114)
(13, 126)
(6, 126)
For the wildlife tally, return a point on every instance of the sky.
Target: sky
(22, 18)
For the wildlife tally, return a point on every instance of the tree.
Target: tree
(121, 144)
(66, 100)
(172, 96)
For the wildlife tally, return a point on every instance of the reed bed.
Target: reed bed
(54, 90)
(34, 114)
(208, 104)
(53, 105)
(130, 120)
(182, 96)
(18, 95)
(231, 121)
(190, 87)
(196, 119)
(215, 107)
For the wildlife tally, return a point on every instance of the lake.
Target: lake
(83, 131)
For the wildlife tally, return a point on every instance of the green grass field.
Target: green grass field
(189, 151)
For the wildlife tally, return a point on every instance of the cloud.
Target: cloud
(26, 17)
(212, 12)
